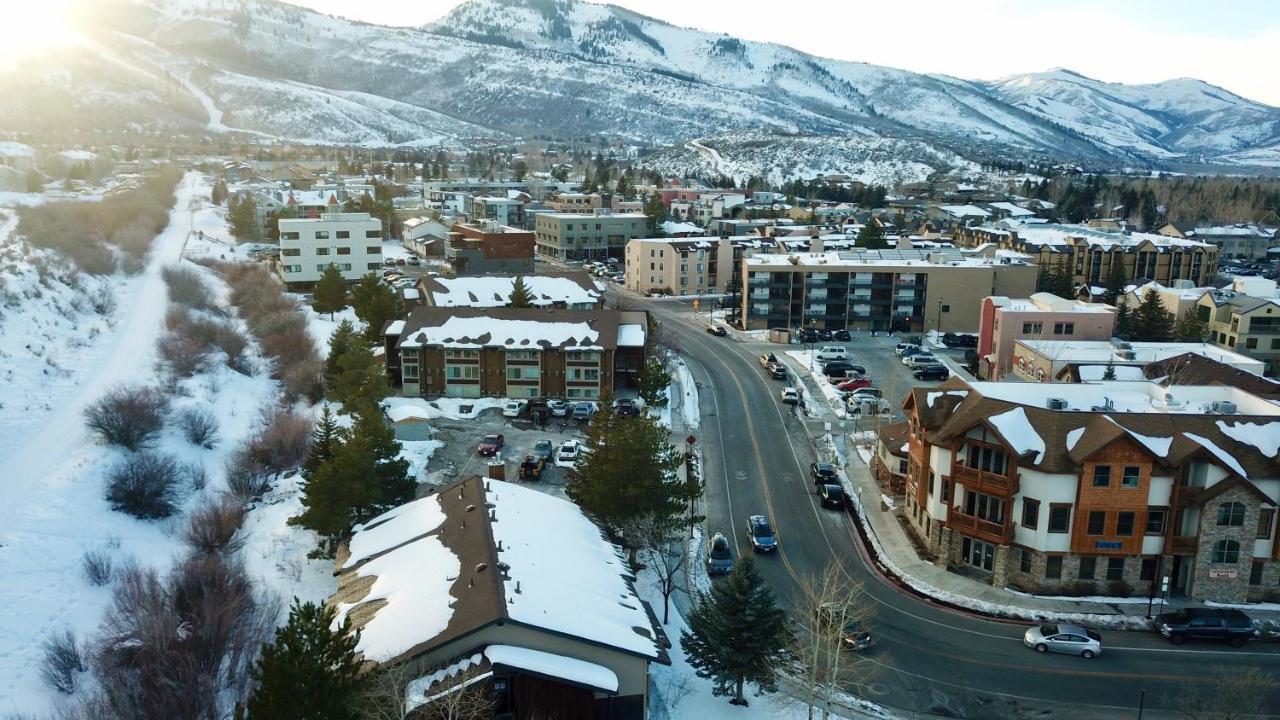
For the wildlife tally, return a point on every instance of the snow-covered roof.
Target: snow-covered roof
(1012, 209)
(678, 228)
(1264, 436)
(1103, 351)
(1056, 234)
(395, 327)
(1016, 430)
(1127, 397)
(1234, 231)
(964, 210)
(566, 668)
(495, 290)
(478, 332)
(1093, 373)
(78, 155)
(924, 258)
(8, 148)
(631, 335)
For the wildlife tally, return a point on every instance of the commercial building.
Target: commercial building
(1085, 360)
(1042, 316)
(564, 290)
(1246, 318)
(515, 352)
(571, 236)
(1098, 488)
(1087, 254)
(352, 242)
(905, 290)
(477, 248)
(1177, 300)
(692, 266)
(502, 210)
(575, 203)
(1238, 241)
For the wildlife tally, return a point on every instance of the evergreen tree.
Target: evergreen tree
(326, 439)
(35, 181)
(521, 297)
(656, 213)
(630, 472)
(1110, 372)
(242, 214)
(309, 670)
(738, 634)
(340, 342)
(361, 380)
(1116, 279)
(518, 170)
(1191, 327)
(1152, 322)
(1124, 327)
(654, 381)
(871, 237)
(219, 193)
(1053, 280)
(375, 304)
(330, 294)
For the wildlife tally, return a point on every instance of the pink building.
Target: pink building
(1043, 316)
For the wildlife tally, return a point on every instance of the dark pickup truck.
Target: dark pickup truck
(1206, 624)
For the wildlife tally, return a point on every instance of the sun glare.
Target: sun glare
(33, 25)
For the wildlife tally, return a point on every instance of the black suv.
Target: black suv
(823, 473)
(843, 336)
(1206, 624)
(931, 372)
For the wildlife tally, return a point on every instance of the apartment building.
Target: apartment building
(1086, 360)
(1237, 241)
(1245, 322)
(567, 290)
(502, 210)
(1177, 300)
(352, 242)
(692, 266)
(515, 352)
(904, 290)
(1042, 316)
(1099, 487)
(1087, 254)
(572, 236)
(576, 203)
(477, 248)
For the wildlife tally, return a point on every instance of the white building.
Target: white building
(350, 241)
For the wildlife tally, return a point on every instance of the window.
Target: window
(344, 251)
(1231, 514)
(978, 554)
(322, 251)
(409, 372)
(1101, 475)
(1251, 343)
(1155, 520)
(946, 308)
(1030, 513)
(322, 266)
(1053, 567)
(1032, 328)
(291, 252)
(1097, 522)
(1275, 344)
(289, 236)
(322, 234)
(986, 458)
(568, 226)
(1064, 328)
(1024, 562)
(1265, 518)
(1124, 524)
(1088, 566)
(374, 250)
(373, 266)
(1115, 568)
(342, 234)
(1148, 571)
(461, 372)
(982, 506)
(1132, 474)
(1226, 552)
(1255, 572)
(293, 268)
(372, 234)
(1059, 518)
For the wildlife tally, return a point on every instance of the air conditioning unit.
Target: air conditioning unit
(1124, 354)
(1222, 407)
(1057, 404)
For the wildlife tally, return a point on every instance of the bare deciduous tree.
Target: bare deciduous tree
(456, 693)
(833, 607)
(658, 541)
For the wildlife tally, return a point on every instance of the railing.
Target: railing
(998, 533)
(1184, 545)
(982, 481)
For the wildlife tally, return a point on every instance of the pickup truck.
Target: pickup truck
(1230, 625)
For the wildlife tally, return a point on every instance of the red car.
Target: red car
(490, 445)
(854, 384)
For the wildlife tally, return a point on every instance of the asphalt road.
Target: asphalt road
(927, 659)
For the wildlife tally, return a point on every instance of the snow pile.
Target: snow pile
(395, 527)
(401, 408)
(689, 408)
(1016, 429)
(1073, 437)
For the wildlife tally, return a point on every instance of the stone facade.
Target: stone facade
(1225, 582)
(1036, 579)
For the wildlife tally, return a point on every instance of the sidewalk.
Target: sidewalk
(897, 557)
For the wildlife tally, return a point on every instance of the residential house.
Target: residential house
(1098, 488)
(1042, 316)
(575, 203)
(502, 210)
(1245, 322)
(1177, 300)
(689, 266)
(352, 242)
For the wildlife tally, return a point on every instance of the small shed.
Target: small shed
(408, 422)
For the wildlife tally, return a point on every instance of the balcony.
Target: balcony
(992, 532)
(985, 482)
(1184, 545)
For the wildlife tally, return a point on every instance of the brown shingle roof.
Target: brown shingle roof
(1196, 369)
(893, 436)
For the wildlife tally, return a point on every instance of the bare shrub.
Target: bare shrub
(128, 416)
(196, 475)
(181, 355)
(247, 480)
(62, 661)
(144, 485)
(199, 427)
(283, 442)
(305, 379)
(186, 287)
(213, 528)
(97, 565)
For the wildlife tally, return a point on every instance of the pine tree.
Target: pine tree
(219, 193)
(361, 380)
(340, 343)
(1110, 372)
(1116, 279)
(1152, 322)
(1053, 280)
(1191, 327)
(393, 484)
(653, 383)
(330, 294)
(738, 634)
(242, 214)
(871, 237)
(656, 213)
(1124, 320)
(521, 297)
(326, 439)
(375, 304)
(309, 670)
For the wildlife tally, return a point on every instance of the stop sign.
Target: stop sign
(691, 440)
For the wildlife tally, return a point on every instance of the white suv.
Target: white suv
(832, 352)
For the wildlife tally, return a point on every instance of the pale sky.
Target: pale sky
(1234, 44)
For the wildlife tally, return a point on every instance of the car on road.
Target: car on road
(626, 407)
(843, 336)
(854, 384)
(831, 496)
(790, 396)
(1063, 638)
(931, 372)
(545, 450)
(828, 353)
(777, 371)
(558, 408)
(719, 556)
(822, 472)
(583, 411)
(414, 261)
(1225, 624)
(490, 445)
(761, 531)
(768, 359)
(514, 408)
(568, 452)
(919, 360)
(717, 330)
(853, 635)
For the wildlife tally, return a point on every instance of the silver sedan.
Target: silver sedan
(1069, 639)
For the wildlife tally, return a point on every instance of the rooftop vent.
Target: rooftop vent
(1222, 407)
(1057, 404)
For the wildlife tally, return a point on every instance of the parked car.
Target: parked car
(514, 408)
(822, 473)
(583, 411)
(809, 336)
(839, 367)
(853, 384)
(717, 330)
(1064, 638)
(831, 496)
(844, 371)
(777, 371)
(490, 445)
(866, 406)
(719, 556)
(959, 340)
(568, 452)
(414, 261)
(903, 347)
(919, 360)
(853, 635)
(828, 353)
(843, 336)
(1226, 624)
(761, 532)
(866, 392)
(826, 335)
(400, 261)
(768, 359)
(531, 468)
(558, 408)
(544, 449)
(790, 396)
(931, 372)
(626, 407)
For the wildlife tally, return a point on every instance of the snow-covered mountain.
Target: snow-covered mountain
(567, 68)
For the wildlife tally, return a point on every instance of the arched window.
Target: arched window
(1226, 552)
(1231, 513)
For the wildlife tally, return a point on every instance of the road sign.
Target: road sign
(1164, 584)
(697, 303)
(691, 440)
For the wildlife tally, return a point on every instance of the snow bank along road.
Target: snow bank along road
(930, 660)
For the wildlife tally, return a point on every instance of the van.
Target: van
(832, 352)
